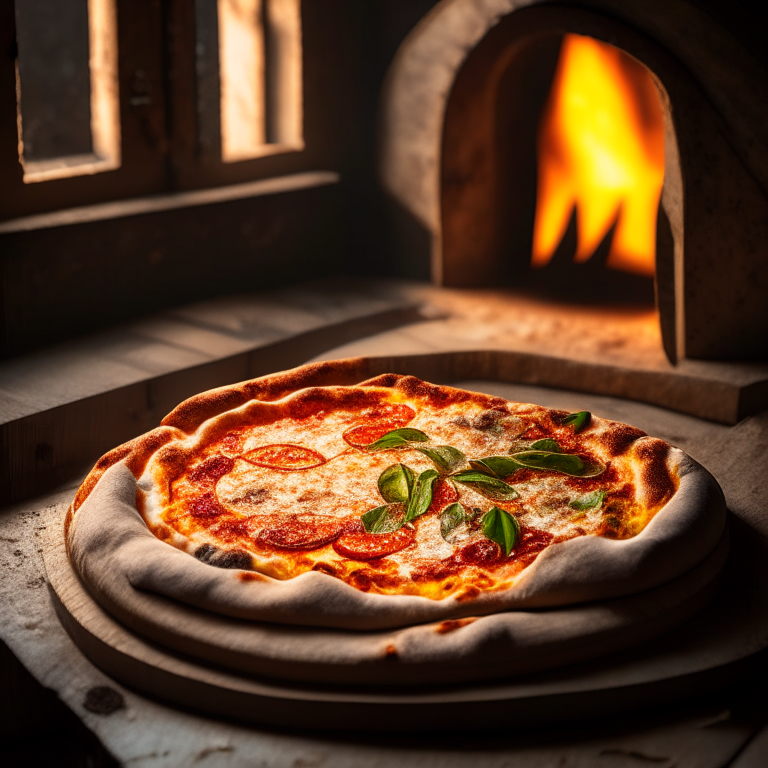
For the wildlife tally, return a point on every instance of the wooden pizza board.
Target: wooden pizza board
(678, 664)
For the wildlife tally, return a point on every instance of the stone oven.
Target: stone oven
(459, 116)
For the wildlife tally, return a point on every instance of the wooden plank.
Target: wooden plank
(617, 684)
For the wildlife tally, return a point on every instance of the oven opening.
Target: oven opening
(552, 172)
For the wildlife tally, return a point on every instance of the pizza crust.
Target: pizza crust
(112, 549)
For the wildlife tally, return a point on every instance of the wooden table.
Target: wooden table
(723, 727)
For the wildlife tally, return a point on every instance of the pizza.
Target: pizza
(398, 486)
(304, 498)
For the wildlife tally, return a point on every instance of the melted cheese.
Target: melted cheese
(345, 486)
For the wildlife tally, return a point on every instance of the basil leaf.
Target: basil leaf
(547, 444)
(567, 463)
(490, 487)
(451, 518)
(421, 495)
(396, 482)
(501, 527)
(588, 501)
(397, 438)
(445, 457)
(384, 519)
(495, 466)
(580, 419)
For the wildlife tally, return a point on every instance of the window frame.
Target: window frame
(160, 145)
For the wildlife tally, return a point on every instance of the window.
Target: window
(119, 98)
(66, 88)
(254, 62)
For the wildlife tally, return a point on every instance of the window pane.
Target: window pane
(66, 87)
(249, 77)
(54, 75)
(241, 62)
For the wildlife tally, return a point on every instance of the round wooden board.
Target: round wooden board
(677, 664)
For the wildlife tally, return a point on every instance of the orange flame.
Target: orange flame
(601, 150)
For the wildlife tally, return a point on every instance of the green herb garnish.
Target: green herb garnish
(397, 438)
(490, 487)
(580, 419)
(384, 519)
(396, 483)
(451, 518)
(445, 457)
(495, 466)
(589, 500)
(421, 495)
(567, 463)
(547, 444)
(501, 527)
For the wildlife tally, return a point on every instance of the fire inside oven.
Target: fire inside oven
(580, 170)
(600, 153)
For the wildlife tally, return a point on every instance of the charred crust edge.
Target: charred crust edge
(235, 559)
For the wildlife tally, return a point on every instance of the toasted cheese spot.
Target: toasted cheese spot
(451, 625)
(656, 478)
(173, 459)
(468, 593)
(251, 576)
(620, 437)
(222, 558)
(325, 568)
(164, 533)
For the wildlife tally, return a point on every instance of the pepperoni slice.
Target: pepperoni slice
(303, 532)
(212, 469)
(480, 552)
(365, 434)
(445, 493)
(370, 546)
(398, 412)
(206, 506)
(285, 456)
(379, 421)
